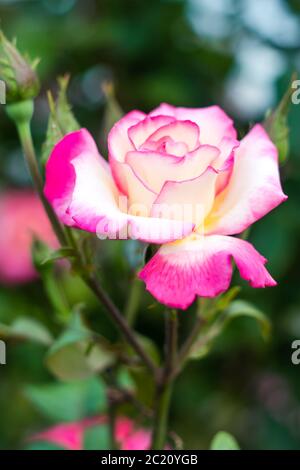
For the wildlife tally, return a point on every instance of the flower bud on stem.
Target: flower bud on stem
(18, 72)
(21, 114)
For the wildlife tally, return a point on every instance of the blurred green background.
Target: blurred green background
(238, 54)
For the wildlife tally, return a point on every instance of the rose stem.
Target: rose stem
(120, 321)
(186, 348)
(131, 309)
(164, 387)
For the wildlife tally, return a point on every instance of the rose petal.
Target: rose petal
(227, 148)
(254, 188)
(140, 132)
(119, 144)
(179, 149)
(180, 131)
(179, 272)
(147, 229)
(213, 122)
(167, 146)
(138, 192)
(189, 200)
(154, 168)
(139, 440)
(225, 162)
(78, 181)
(82, 192)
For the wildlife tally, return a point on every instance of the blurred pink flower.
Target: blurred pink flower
(130, 438)
(22, 217)
(71, 435)
(178, 177)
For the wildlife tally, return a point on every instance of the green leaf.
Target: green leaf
(113, 111)
(149, 346)
(64, 252)
(208, 308)
(225, 300)
(24, 328)
(241, 308)
(56, 294)
(73, 362)
(75, 331)
(143, 381)
(61, 119)
(144, 385)
(97, 438)
(68, 401)
(64, 115)
(75, 355)
(205, 341)
(39, 252)
(276, 124)
(224, 441)
(124, 379)
(210, 331)
(51, 282)
(53, 136)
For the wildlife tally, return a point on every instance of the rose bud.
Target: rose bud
(17, 72)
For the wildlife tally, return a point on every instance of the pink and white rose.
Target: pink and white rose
(177, 177)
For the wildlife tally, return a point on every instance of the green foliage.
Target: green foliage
(240, 308)
(276, 123)
(209, 307)
(61, 119)
(113, 111)
(26, 329)
(97, 438)
(144, 385)
(225, 300)
(43, 446)
(77, 353)
(42, 255)
(124, 379)
(215, 327)
(68, 402)
(224, 441)
(61, 253)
